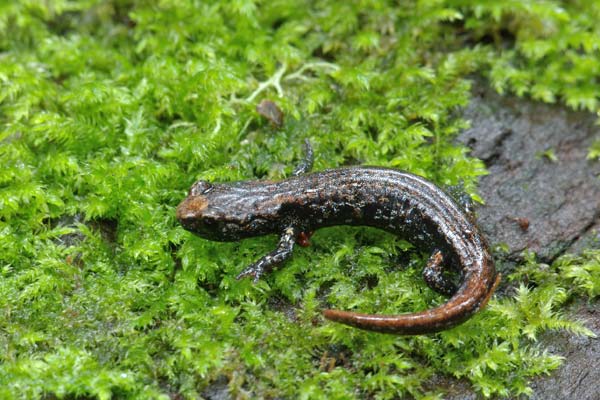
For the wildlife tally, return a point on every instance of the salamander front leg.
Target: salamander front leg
(434, 277)
(306, 163)
(274, 258)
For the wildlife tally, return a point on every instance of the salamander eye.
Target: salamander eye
(200, 187)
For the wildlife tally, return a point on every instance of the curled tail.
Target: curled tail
(472, 296)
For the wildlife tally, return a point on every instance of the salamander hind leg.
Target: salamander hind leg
(267, 263)
(434, 275)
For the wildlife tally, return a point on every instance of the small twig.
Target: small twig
(277, 78)
(274, 81)
(310, 66)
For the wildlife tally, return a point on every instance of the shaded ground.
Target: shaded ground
(541, 194)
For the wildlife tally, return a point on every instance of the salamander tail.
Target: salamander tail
(472, 296)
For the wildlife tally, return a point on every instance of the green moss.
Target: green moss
(546, 49)
(109, 110)
(594, 152)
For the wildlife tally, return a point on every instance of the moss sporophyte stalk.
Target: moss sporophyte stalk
(110, 110)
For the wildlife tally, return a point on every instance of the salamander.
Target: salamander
(395, 201)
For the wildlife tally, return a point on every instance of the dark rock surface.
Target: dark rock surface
(544, 205)
(560, 199)
(579, 376)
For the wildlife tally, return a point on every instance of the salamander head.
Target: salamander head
(223, 212)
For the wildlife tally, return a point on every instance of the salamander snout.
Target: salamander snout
(199, 213)
(193, 207)
(190, 211)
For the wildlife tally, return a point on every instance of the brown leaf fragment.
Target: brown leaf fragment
(270, 111)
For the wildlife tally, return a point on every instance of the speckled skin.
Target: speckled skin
(398, 202)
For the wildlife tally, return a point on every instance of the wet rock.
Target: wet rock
(538, 173)
(579, 376)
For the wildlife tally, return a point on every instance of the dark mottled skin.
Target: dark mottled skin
(398, 202)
